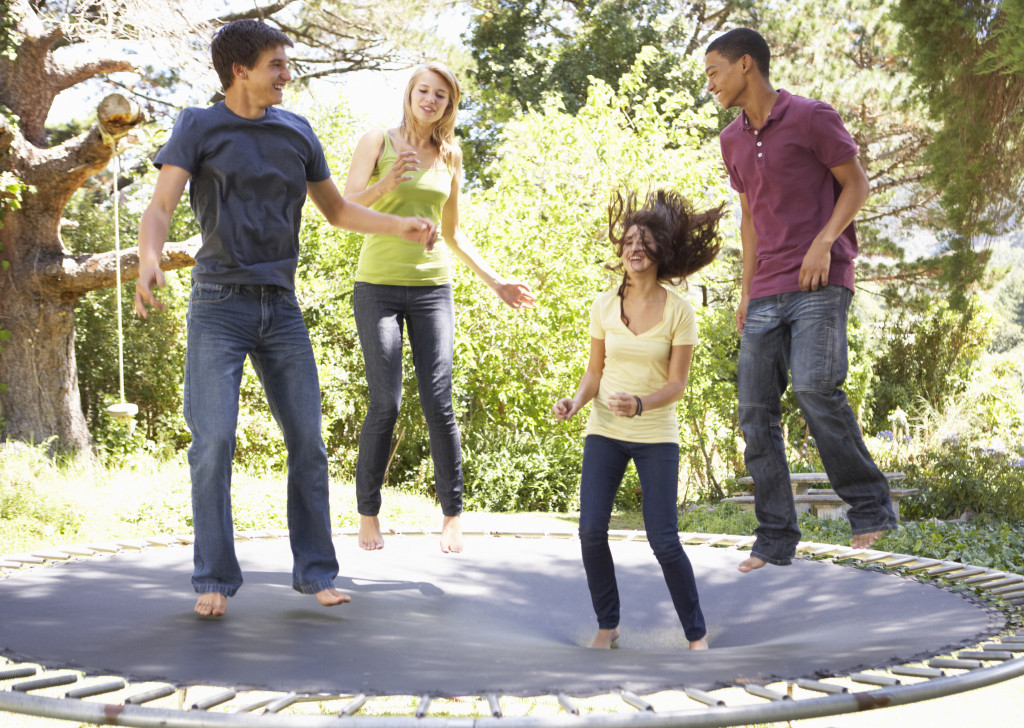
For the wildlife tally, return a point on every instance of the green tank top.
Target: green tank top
(394, 261)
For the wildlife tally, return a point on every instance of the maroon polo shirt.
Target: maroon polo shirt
(783, 169)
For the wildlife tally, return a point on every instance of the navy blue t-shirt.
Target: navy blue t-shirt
(247, 188)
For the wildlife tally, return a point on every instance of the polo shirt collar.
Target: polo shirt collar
(777, 112)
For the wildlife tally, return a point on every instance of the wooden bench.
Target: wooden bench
(820, 502)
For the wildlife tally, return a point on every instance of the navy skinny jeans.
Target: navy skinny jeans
(604, 463)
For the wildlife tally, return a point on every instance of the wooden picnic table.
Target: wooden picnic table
(820, 502)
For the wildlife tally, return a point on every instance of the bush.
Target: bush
(962, 479)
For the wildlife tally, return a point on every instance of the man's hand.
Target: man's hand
(149, 276)
(814, 270)
(418, 230)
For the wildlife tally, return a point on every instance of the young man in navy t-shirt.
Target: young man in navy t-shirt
(250, 167)
(800, 186)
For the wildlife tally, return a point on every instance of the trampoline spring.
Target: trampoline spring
(494, 705)
(899, 562)
(15, 672)
(954, 664)
(922, 565)
(567, 705)
(990, 576)
(249, 708)
(134, 544)
(762, 692)
(821, 687)
(26, 559)
(1009, 592)
(150, 695)
(1003, 585)
(105, 548)
(353, 706)
(883, 681)
(985, 655)
(825, 551)
(45, 682)
(636, 701)
(877, 557)
(214, 700)
(10, 565)
(79, 550)
(966, 573)
(87, 691)
(1003, 647)
(424, 706)
(281, 703)
(703, 697)
(915, 671)
(52, 555)
(944, 569)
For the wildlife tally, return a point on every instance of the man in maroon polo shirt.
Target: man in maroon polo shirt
(800, 185)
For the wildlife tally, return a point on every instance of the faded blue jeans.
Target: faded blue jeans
(428, 312)
(604, 463)
(805, 333)
(227, 323)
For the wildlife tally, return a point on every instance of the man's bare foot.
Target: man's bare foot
(701, 644)
(864, 540)
(751, 563)
(370, 537)
(451, 535)
(211, 604)
(605, 638)
(332, 597)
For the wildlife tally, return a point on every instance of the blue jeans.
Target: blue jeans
(805, 333)
(226, 323)
(604, 464)
(428, 312)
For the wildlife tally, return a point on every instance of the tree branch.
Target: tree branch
(77, 275)
(256, 13)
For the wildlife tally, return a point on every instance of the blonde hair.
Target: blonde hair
(442, 133)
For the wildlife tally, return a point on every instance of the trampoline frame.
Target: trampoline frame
(988, 663)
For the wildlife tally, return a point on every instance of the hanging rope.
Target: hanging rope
(116, 118)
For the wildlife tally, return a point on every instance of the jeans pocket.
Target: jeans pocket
(210, 292)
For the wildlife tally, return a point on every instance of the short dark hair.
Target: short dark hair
(242, 41)
(741, 42)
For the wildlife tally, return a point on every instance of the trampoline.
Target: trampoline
(510, 616)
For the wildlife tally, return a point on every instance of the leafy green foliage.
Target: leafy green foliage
(962, 478)
(968, 61)
(153, 349)
(927, 359)
(529, 51)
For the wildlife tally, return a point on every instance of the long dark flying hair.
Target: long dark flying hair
(678, 239)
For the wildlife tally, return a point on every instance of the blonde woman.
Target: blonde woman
(414, 166)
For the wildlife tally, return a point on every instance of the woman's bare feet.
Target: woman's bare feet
(605, 638)
(332, 597)
(701, 644)
(451, 535)
(370, 537)
(865, 540)
(751, 563)
(211, 604)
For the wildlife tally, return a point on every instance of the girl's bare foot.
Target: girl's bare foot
(332, 597)
(701, 644)
(751, 563)
(451, 535)
(864, 540)
(370, 537)
(605, 638)
(211, 604)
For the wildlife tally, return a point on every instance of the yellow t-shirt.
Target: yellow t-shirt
(394, 261)
(638, 365)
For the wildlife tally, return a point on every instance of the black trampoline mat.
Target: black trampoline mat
(509, 616)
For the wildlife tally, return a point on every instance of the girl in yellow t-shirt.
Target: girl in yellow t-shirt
(414, 170)
(641, 343)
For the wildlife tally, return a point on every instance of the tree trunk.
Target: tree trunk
(41, 399)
